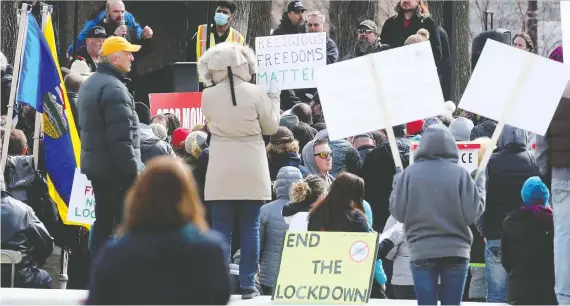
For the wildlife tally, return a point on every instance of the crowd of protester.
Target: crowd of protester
(182, 204)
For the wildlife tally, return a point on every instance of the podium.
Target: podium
(177, 77)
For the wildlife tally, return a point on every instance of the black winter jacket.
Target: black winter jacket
(395, 34)
(485, 128)
(151, 145)
(527, 256)
(22, 231)
(6, 84)
(508, 169)
(72, 97)
(110, 144)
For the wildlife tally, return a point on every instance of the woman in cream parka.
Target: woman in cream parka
(237, 179)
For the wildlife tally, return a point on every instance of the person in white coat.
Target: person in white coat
(237, 181)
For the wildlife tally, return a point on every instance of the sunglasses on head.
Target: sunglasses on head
(364, 31)
(324, 155)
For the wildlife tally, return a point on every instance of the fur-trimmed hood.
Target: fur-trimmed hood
(213, 64)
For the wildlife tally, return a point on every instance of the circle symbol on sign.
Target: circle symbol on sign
(359, 251)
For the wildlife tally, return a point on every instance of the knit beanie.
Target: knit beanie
(534, 192)
(178, 137)
(461, 129)
(430, 121)
(195, 143)
(283, 136)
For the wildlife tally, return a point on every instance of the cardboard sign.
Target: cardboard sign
(290, 60)
(326, 267)
(532, 85)
(352, 91)
(186, 106)
(82, 200)
(468, 154)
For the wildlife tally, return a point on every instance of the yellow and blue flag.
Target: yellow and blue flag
(41, 79)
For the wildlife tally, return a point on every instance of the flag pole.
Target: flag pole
(39, 116)
(22, 27)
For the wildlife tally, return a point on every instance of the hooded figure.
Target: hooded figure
(273, 227)
(527, 248)
(237, 178)
(508, 169)
(436, 210)
(239, 114)
(308, 156)
(461, 129)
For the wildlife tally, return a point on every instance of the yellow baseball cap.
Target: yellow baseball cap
(115, 44)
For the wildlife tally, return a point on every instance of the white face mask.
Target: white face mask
(221, 19)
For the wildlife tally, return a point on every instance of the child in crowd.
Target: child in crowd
(527, 248)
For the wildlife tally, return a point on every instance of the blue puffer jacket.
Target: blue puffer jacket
(272, 226)
(129, 21)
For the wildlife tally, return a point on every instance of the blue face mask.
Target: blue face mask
(221, 19)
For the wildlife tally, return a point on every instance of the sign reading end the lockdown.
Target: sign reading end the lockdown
(290, 60)
(326, 267)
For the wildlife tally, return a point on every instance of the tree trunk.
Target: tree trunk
(258, 25)
(9, 29)
(532, 23)
(462, 66)
(241, 16)
(437, 11)
(345, 16)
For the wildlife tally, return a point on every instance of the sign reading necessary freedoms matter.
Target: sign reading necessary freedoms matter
(326, 267)
(468, 154)
(82, 200)
(290, 60)
(352, 99)
(531, 84)
(186, 106)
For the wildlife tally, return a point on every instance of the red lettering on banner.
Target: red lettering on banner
(186, 106)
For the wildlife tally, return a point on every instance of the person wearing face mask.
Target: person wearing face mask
(211, 35)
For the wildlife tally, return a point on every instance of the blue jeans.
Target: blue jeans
(561, 208)
(246, 214)
(497, 277)
(560, 189)
(451, 270)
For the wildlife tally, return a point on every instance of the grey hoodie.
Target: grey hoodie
(461, 129)
(308, 156)
(436, 199)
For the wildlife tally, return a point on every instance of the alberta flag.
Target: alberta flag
(41, 87)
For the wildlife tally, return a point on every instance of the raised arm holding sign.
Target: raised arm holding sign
(381, 97)
(527, 95)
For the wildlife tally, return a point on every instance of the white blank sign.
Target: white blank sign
(494, 82)
(409, 87)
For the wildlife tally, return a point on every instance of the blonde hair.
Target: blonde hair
(421, 36)
(486, 144)
(164, 197)
(310, 188)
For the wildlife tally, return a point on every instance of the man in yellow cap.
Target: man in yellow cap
(110, 154)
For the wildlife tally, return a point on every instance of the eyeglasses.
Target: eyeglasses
(223, 12)
(364, 31)
(324, 155)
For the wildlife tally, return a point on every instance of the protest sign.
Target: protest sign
(186, 106)
(290, 60)
(326, 267)
(351, 99)
(532, 84)
(82, 200)
(468, 154)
